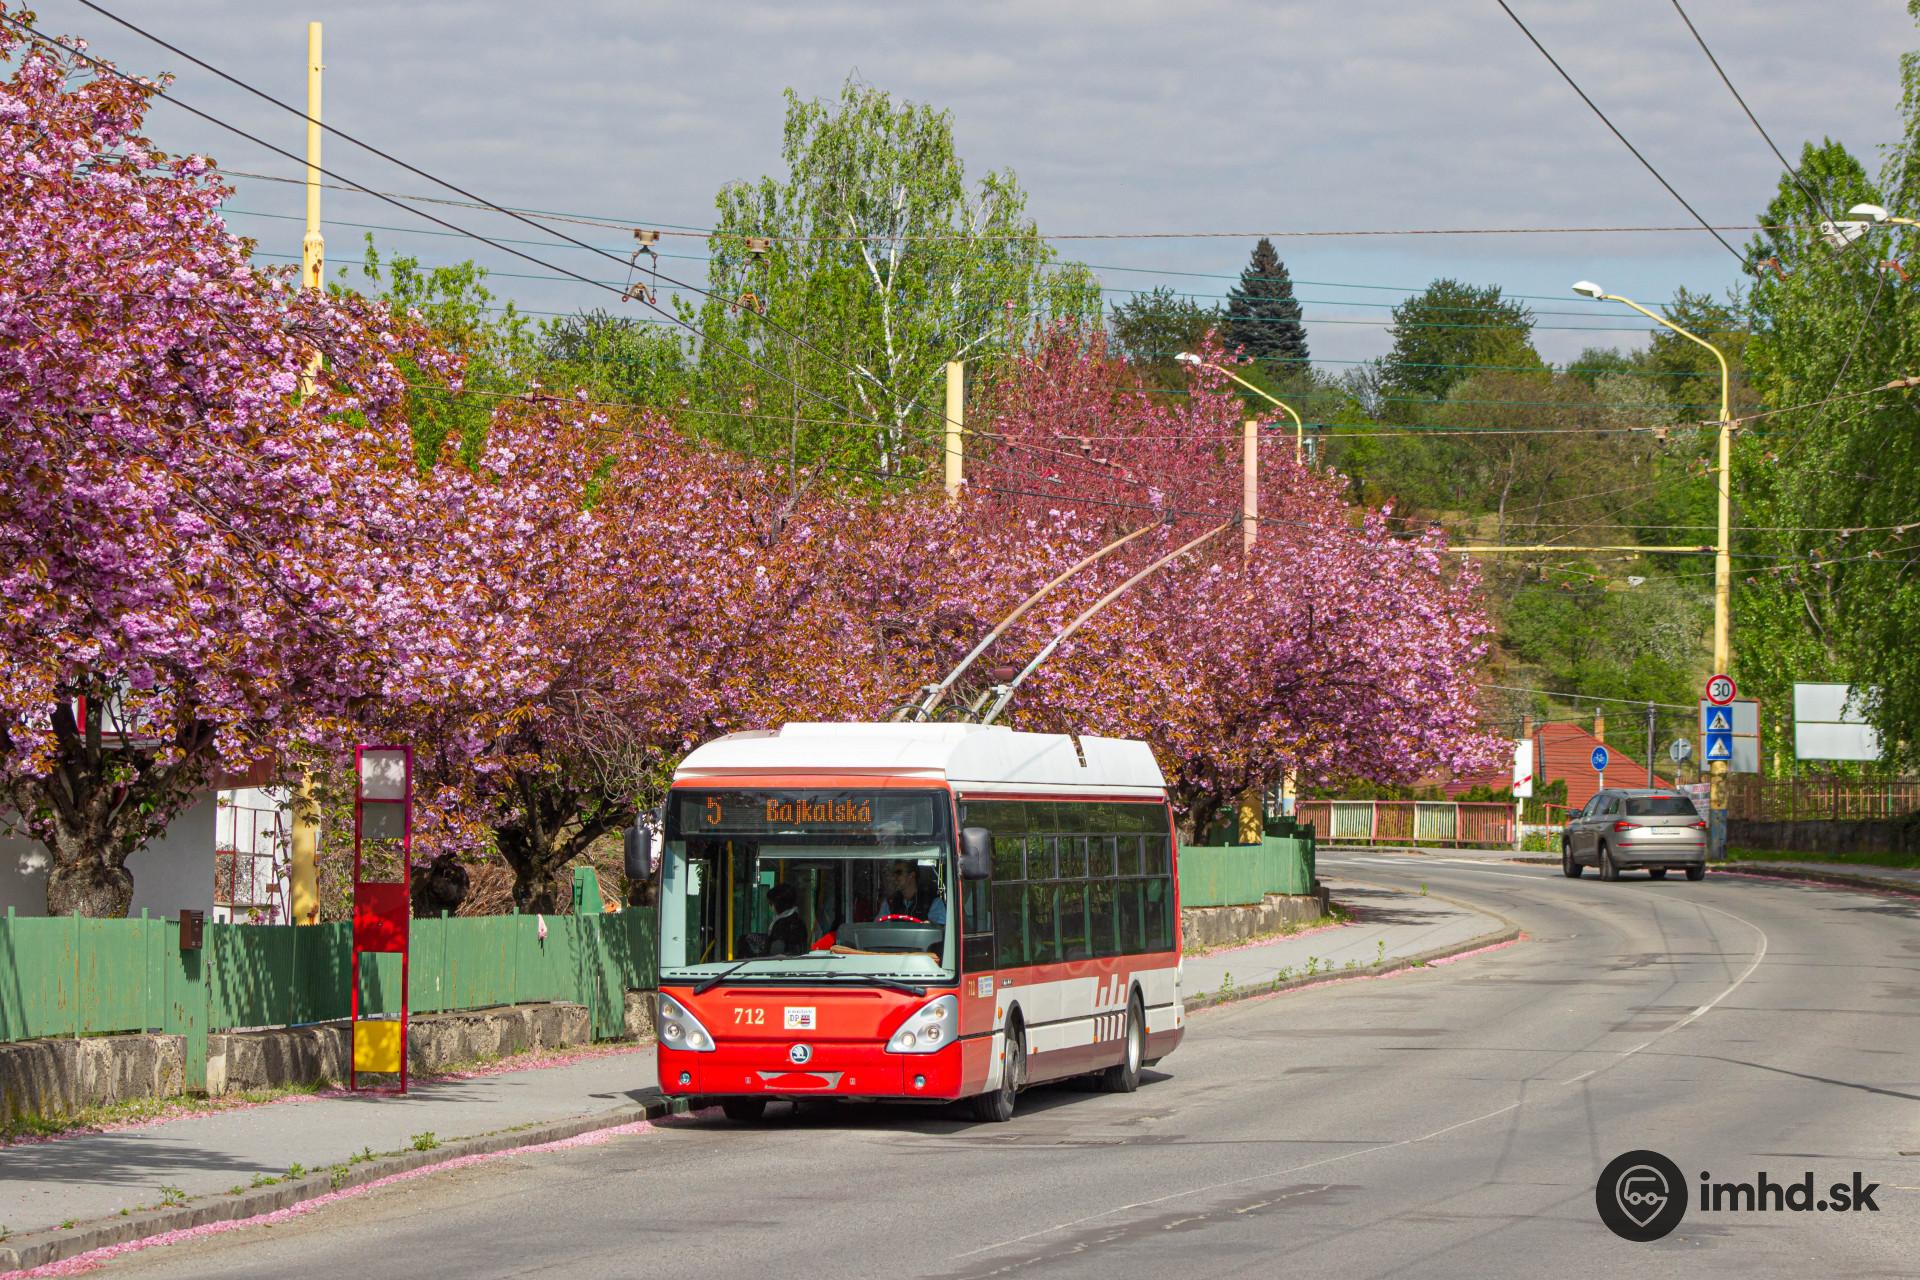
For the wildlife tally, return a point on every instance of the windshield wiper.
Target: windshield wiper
(708, 984)
(859, 979)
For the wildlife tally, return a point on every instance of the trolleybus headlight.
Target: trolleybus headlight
(928, 1029)
(680, 1029)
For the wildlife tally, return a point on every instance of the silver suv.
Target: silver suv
(1621, 829)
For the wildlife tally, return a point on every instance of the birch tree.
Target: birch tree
(858, 275)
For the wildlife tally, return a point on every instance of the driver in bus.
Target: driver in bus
(910, 899)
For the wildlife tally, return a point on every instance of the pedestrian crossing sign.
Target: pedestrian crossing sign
(1719, 745)
(1718, 720)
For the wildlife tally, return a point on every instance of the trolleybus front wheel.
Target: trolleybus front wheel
(996, 1105)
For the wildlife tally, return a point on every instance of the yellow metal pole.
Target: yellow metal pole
(956, 419)
(1555, 546)
(1722, 567)
(303, 872)
(1299, 429)
(1249, 485)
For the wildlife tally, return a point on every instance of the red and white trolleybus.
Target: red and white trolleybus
(915, 911)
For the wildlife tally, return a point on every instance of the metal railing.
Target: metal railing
(1459, 824)
(1797, 799)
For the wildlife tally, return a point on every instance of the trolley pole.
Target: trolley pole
(303, 875)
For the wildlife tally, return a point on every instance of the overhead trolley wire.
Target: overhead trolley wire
(687, 230)
(437, 181)
(1612, 128)
(1813, 198)
(108, 68)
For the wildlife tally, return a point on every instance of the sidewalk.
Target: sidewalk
(96, 1175)
(91, 1177)
(1864, 874)
(1905, 879)
(1388, 926)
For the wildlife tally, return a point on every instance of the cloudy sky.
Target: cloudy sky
(1118, 116)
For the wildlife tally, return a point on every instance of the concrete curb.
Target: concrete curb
(23, 1252)
(1901, 888)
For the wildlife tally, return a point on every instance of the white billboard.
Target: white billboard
(1830, 723)
(1523, 769)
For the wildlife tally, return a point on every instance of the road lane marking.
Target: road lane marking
(1620, 1057)
(1235, 1182)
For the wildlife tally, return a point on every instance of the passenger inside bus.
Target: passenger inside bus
(787, 935)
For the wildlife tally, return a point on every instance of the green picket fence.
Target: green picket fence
(1242, 874)
(68, 976)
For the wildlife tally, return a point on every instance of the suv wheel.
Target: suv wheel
(1607, 870)
(1568, 867)
(1697, 872)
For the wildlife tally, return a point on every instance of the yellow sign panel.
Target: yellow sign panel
(376, 1046)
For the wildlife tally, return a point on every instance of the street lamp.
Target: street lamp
(1842, 234)
(1875, 214)
(1299, 432)
(1722, 557)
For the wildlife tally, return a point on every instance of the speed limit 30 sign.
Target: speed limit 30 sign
(1720, 690)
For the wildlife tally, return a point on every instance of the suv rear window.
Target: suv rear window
(1660, 807)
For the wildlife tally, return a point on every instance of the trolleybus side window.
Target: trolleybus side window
(1095, 880)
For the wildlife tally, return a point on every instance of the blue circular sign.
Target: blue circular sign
(1599, 759)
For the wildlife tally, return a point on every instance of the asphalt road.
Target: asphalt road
(1448, 1122)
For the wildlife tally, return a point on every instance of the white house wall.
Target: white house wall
(169, 873)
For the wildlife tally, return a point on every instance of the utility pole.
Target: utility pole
(956, 420)
(1649, 746)
(1251, 821)
(303, 874)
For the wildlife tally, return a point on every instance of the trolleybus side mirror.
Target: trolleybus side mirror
(976, 853)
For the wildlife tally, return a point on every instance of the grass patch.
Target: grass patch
(1901, 861)
(116, 1115)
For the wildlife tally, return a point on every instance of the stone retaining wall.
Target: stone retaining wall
(1224, 926)
(1808, 835)
(52, 1078)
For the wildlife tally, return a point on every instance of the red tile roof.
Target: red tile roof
(1566, 751)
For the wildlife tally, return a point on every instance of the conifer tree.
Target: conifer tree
(1262, 317)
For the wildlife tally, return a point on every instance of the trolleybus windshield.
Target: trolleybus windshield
(807, 886)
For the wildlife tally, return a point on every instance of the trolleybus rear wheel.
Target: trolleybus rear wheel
(1124, 1076)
